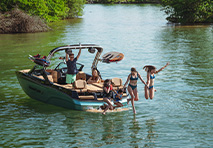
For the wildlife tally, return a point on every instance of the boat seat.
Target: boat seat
(55, 76)
(80, 86)
(81, 76)
(100, 85)
(117, 83)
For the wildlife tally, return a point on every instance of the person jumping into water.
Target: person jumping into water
(132, 87)
(151, 71)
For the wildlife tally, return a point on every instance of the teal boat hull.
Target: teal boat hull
(49, 93)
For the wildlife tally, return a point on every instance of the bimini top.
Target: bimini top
(78, 46)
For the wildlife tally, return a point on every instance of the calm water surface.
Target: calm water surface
(181, 114)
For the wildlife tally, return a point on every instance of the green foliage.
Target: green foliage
(75, 8)
(188, 11)
(50, 10)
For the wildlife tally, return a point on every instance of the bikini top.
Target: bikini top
(152, 77)
(131, 78)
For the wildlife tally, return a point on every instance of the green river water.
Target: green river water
(180, 115)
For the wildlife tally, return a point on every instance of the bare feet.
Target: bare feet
(135, 99)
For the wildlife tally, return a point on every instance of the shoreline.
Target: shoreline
(18, 21)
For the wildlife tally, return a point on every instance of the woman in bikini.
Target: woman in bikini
(132, 87)
(151, 71)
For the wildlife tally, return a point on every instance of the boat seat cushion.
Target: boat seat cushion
(81, 76)
(80, 84)
(116, 82)
(80, 90)
(100, 85)
(55, 76)
(93, 88)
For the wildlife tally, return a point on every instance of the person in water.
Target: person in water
(95, 78)
(107, 95)
(132, 87)
(151, 71)
(71, 67)
(118, 97)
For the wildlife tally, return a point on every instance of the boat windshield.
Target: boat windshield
(63, 66)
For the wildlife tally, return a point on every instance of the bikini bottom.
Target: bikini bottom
(132, 86)
(151, 86)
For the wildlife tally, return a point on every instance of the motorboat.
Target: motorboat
(49, 86)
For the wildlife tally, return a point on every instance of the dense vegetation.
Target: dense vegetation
(21, 15)
(189, 11)
(50, 10)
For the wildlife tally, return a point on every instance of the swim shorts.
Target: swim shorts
(70, 78)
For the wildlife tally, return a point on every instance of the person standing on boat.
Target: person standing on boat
(71, 67)
(151, 71)
(132, 87)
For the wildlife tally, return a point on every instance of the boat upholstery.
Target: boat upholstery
(81, 76)
(80, 86)
(117, 83)
(93, 88)
(100, 85)
(55, 76)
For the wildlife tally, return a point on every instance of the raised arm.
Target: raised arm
(67, 57)
(162, 68)
(141, 79)
(127, 80)
(79, 53)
